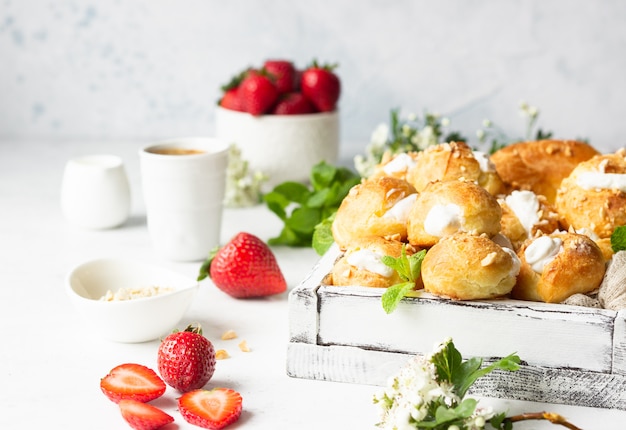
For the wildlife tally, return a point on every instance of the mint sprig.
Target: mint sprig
(408, 268)
(303, 207)
(618, 239)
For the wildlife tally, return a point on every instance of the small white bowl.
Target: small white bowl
(285, 147)
(129, 321)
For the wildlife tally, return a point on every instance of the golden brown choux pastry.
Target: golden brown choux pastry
(446, 207)
(467, 267)
(556, 266)
(524, 214)
(451, 161)
(396, 165)
(540, 165)
(375, 207)
(361, 264)
(593, 197)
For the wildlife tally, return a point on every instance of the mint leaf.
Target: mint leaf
(408, 268)
(618, 239)
(302, 207)
(323, 235)
(392, 295)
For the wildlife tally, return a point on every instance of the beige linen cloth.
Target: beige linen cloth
(612, 292)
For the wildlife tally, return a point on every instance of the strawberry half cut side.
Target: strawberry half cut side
(142, 416)
(132, 381)
(214, 409)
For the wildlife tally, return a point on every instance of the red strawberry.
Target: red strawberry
(132, 381)
(230, 100)
(257, 93)
(186, 359)
(283, 73)
(213, 409)
(230, 97)
(322, 86)
(293, 104)
(142, 416)
(244, 267)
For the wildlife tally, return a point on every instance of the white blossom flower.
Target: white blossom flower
(380, 134)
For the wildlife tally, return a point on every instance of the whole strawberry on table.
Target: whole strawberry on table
(245, 267)
(279, 88)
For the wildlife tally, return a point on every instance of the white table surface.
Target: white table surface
(51, 364)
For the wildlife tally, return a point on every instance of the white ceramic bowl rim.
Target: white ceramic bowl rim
(316, 116)
(75, 271)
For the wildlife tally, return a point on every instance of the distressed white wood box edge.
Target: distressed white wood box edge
(571, 355)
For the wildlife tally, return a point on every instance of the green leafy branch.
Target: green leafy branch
(305, 208)
(409, 268)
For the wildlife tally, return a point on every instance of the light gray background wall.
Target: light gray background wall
(144, 69)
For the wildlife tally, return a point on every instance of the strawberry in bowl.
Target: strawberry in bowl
(283, 119)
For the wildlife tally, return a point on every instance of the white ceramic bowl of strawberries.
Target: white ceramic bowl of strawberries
(284, 120)
(139, 319)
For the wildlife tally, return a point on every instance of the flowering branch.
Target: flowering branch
(429, 393)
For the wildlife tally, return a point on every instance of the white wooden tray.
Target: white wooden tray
(570, 355)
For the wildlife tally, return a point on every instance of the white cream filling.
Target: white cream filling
(602, 181)
(443, 220)
(401, 162)
(517, 264)
(588, 232)
(542, 251)
(525, 206)
(486, 165)
(371, 261)
(400, 211)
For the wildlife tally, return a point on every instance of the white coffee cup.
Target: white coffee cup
(95, 193)
(183, 183)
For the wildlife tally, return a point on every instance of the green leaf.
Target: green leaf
(408, 268)
(464, 410)
(618, 239)
(322, 175)
(323, 236)
(447, 363)
(509, 363)
(318, 199)
(205, 268)
(301, 208)
(451, 368)
(394, 294)
(277, 203)
(288, 237)
(497, 422)
(303, 220)
(293, 191)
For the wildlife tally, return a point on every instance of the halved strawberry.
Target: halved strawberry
(142, 416)
(214, 409)
(132, 381)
